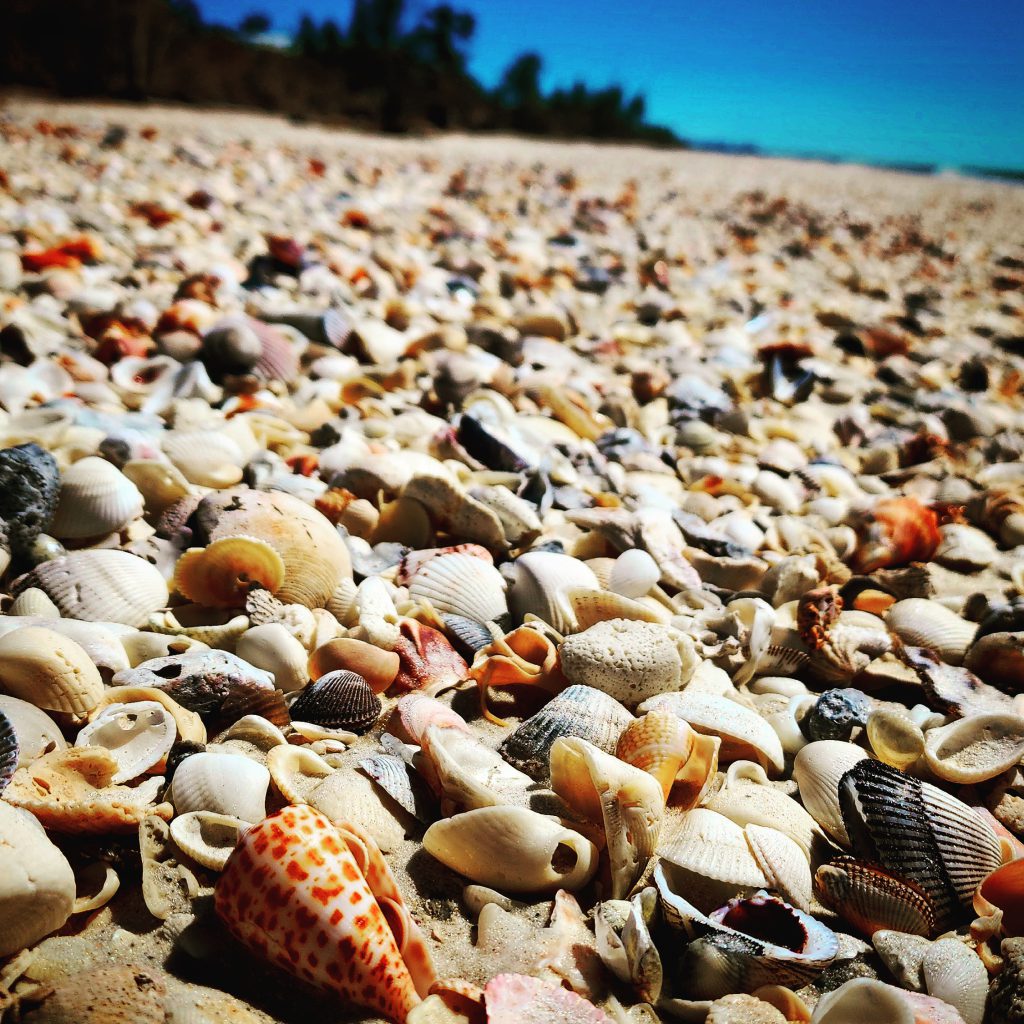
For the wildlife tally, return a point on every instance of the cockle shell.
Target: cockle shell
(975, 749)
(461, 584)
(48, 670)
(207, 837)
(339, 700)
(626, 800)
(33, 602)
(784, 864)
(103, 642)
(513, 849)
(70, 791)
(205, 457)
(272, 648)
(682, 761)
(378, 667)
(865, 999)
(539, 580)
(138, 736)
(954, 973)
(817, 770)
(919, 832)
(95, 499)
(221, 574)
(745, 735)
(223, 783)
(35, 732)
(9, 751)
(100, 585)
(578, 711)
(37, 885)
(311, 897)
(592, 606)
(930, 624)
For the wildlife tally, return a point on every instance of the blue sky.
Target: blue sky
(935, 81)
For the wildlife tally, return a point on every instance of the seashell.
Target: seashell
(33, 602)
(335, 883)
(634, 574)
(538, 581)
(682, 761)
(710, 857)
(416, 712)
(339, 700)
(256, 730)
(222, 783)
(161, 484)
(221, 575)
(744, 734)
(864, 999)
(817, 770)
(631, 661)
(902, 954)
(138, 735)
(518, 517)
(395, 777)
(37, 891)
(205, 457)
(512, 849)
(895, 532)
(786, 719)
(426, 660)
(48, 670)
(624, 942)
(627, 800)
(341, 604)
(376, 666)
(95, 499)
(930, 624)
(871, 898)
(748, 798)
(578, 711)
(461, 584)
(100, 586)
(975, 749)
(522, 999)
(35, 733)
(101, 641)
(918, 831)
(836, 713)
(208, 838)
(9, 750)
(964, 548)
(454, 511)
(314, 555)
(272, 648)
(188, 725)
(70, 790)
(1003, 891)
(895, 737)
(296, 772)
(743, 1009)
(784, 864)
(954, 973)
(592, 606)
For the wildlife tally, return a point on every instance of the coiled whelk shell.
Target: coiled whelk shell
(138, 736)
(95, 499)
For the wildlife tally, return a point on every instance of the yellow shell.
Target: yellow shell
(219, 576)
(48, 670)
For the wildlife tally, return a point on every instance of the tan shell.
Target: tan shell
(34, 602)
(161, 484)
(784, 864)
(95, 499)
(592, 606)
(817, 770)
(540, 580)
(745, 735)
(296, 772)
(512, 849)
(188, 724)
(37, 885)
(222, 574)
(974, 749)
(347, 795)
(208, 838)
(36, 731)
(273, 649)
(378, 667)
(895, 737)
(138, 735)
(48, 670)
(100, 585)
(202, 625)
(70, 791)
(205, 457)
(142, 645)
(922, 623)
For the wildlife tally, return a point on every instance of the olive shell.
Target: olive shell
(338, 700)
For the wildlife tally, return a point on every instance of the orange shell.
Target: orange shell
(427, 661)
(220, 575)
(899, 531)
(523, 657)
(1004, 890)
(377, 666)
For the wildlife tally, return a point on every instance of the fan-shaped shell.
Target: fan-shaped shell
(784, 864)
(205, 457)
(539, 580)
(461, 584)
(48, 670)
(578, 711)
(592, 606)
(207, 837)
(33, 603)
(378, 667)
(100, 586)
(35, 732)
(954, 973)
(222, 574)
(817, 770)
(346, 795)
(974, 749)
(863, 999)
(930, 624)
(339, 700)
(223, 783)
(138, 736)
(512, 849)
(95, 499)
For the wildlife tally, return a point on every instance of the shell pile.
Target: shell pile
(450, 586)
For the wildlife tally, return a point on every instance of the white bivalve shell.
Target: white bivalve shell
(95, 499)
(223, 783)
(138, 736)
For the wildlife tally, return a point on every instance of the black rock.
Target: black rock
(29, 485)
(836, 713)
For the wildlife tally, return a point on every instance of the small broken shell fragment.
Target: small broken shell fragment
(895, 737)
(138, 736)
(972, 750)
(207, 837)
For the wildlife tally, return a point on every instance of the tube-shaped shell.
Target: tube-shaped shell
(48, 670)
(100, 585)
(512, 849)
(95, 499)
(138, 736)
(461, 584)
(223, 783)
(975, 749)
(539, 580)
(922, 623)
(817, 770)
(954, 973)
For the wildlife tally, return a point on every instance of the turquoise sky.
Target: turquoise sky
(940, 81)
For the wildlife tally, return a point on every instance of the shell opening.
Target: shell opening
(564, 859)
(767, 920)
(397, 921)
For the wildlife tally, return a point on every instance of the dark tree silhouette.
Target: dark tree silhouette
(255, 23)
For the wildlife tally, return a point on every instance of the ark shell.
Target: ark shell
(339, 700)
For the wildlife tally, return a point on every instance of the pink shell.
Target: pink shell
(416, 712)
(520, 999)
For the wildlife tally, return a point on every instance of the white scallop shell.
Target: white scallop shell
(461, 584)
(34, 603)
(538, 582)
(862, 1000)
(974, 749)
(954, 973)
(224, 783)
(923, 623)
(207, 837)
(95, 499)
(784, 864)
(817, 770)
(138, 736)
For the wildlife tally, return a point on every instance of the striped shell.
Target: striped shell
(222, 783)
(33, 602)
(8, 750)
(48, 670)
(817, 770)
(784, 864)
(922, 623)
(206, 457)
(378, 667)
(222, 574)
(954, 973)
(461, 584)
(95, 499)
(339, 700)
(100, 586)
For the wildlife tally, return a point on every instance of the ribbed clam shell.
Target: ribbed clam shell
(222, 574)
(593, 606)
(100, 585)
(467, 635)
(817, 770)
(922, 623)
(205, 457)
(223, 783)
(138, 736)
(95, 499)
(207, 837)
(784, 864)
(48, 670)
(33, 602)
(975, 749)
(339, 700)
(578, 711)
(35, 731)
(870, 898)
(919, 832)
(278, 358)
(954, 973)
(400, 783)
(8, 750)
(634, 574)
(461, 584)
(538, 583)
